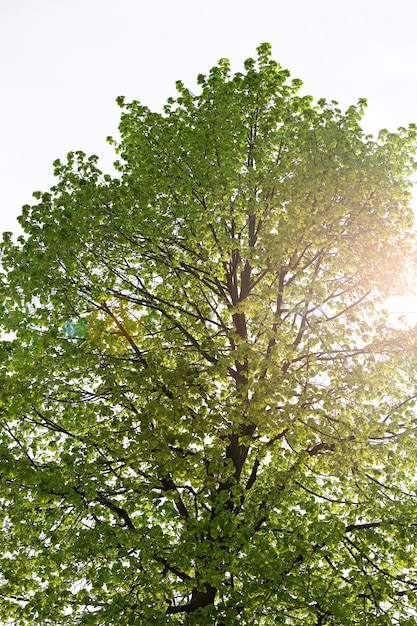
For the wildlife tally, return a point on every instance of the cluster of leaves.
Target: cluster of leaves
(231, 437)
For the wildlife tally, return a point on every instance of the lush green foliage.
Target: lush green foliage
(206, 418)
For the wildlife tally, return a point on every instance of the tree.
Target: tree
(206, 415)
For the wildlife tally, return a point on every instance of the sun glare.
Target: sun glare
(403, 310)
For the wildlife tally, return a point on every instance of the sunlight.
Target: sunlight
(402, 310)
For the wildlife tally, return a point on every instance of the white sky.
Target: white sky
(63, 62)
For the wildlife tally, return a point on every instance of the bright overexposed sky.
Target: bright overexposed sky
(63, 63)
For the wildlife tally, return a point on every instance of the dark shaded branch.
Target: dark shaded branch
(120, 512)
(321, 447)
(172, 568)
(199, 599)
(50, 424)
(169, 485)
(253, 474)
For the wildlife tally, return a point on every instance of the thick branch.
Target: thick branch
(120, 512)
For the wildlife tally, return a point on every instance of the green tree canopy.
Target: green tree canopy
(206, 417)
